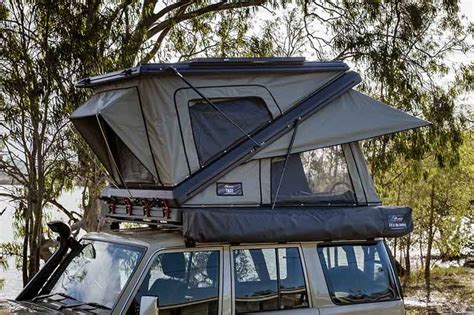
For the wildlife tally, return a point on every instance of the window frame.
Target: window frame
(154, 256)
(270, 246)
(242, 138)
(62, 266)
(392, 277)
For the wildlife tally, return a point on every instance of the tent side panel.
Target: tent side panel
(366, 178)
(89, 129)
(163, 128)
(354, 175)
(239, 187)
(125, 118)
(265, 181)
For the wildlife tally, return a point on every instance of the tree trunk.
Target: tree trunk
(407, 255)
(91, 208)
(26, 241)
(35, 238)
(429, 244)
(421, 251)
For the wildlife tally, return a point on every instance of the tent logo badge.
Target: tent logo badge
(229, 189)
(397, 222)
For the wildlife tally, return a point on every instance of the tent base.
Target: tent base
(294, 225)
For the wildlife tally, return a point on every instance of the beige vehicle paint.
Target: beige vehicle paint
(158, 242)
(319, 299)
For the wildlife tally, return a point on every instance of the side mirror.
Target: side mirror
(149, 305)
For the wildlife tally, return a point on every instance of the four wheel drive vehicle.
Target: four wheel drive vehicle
(252, 173)
(151, 271)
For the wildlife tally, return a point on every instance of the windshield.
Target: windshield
(98, 272)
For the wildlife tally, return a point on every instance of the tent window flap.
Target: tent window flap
(213, 133)
(313, 177)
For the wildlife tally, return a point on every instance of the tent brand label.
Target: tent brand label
(229, 189)
(396, 222)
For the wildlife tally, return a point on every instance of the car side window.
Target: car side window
(268, 279)
(183, 282)
(368, 267)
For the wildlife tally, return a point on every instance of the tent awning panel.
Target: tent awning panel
(120, 109)
(351, 117)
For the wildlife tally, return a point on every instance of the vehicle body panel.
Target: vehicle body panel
(166, 241)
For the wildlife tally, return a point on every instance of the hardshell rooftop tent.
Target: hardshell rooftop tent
(252, 134)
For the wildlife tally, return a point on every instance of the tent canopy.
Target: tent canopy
(150, 128)
(352, 117)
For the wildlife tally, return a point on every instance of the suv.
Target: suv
(151, 271)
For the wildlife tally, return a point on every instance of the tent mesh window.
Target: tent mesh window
(132, 171)
(214, 133)
(319, 176)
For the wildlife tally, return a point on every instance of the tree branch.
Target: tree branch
(220, 6)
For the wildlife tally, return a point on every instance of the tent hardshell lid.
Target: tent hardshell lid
(156, 132)
(219, 65)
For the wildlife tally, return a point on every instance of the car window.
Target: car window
(183, 282)
(97, 272)
(368, 267)
(268, 279)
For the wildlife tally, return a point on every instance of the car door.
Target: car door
(356, 278)
(270, 279)
(184, 281)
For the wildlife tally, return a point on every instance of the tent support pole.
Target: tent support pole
(288, 152)
(172, 69)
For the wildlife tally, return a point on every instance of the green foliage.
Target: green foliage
(411, 182)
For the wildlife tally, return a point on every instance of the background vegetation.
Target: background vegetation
(402, 48)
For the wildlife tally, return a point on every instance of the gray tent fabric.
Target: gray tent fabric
(90, 130)
(364, 175)
(120, 109)
(124, 116)
(351, 117)
(169, 131)
(259, 180)
(295, 225)
(246, 176)
(152, 117)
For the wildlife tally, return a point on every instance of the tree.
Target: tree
(46, 47)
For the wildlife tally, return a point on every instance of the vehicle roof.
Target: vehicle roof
(149, 237)
(162, 238)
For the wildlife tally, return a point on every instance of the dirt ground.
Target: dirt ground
(452, 292)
